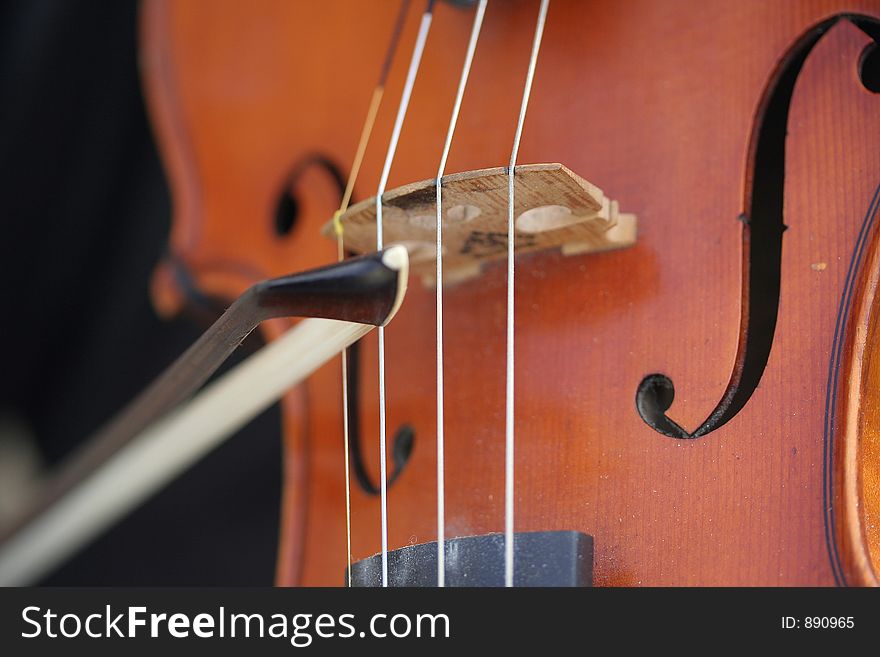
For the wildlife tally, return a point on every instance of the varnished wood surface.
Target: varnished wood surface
(654, 102)
(854, 487)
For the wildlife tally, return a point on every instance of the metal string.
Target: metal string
(366, 131)
(415, 60)
(441, 493)
(509, 429)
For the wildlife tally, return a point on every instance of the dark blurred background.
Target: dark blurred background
(85, 217)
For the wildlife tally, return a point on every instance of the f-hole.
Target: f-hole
(285, 219)
(404, 437)
(287, 207)
(762, 245)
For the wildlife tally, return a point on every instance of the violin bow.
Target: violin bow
(165, 429)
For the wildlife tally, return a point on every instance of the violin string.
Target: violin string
(415, 60)
(366, 131)
(441, 492)
(509, 428)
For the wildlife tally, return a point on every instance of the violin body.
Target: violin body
(665, 106)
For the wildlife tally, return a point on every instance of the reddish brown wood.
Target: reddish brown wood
(652, 101)
(855, 486)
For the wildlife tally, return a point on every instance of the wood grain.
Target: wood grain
(554, 208)
(654, 102)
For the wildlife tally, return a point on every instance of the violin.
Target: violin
(639, 344)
